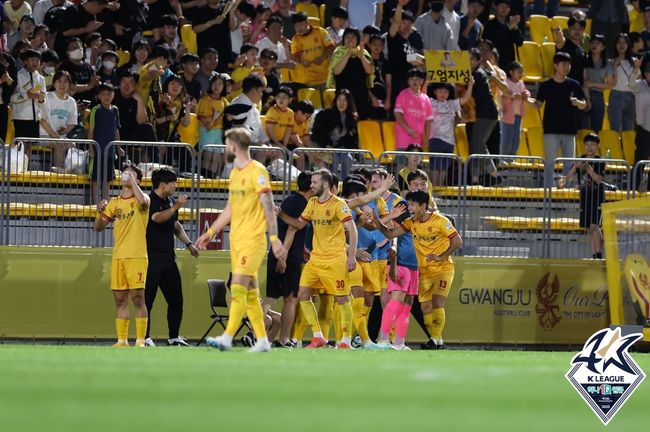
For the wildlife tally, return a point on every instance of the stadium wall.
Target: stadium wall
(53, 293)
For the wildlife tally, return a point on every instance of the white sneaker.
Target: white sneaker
(149, 342)
(400, 348)
(219, 343)
(260, 346)
(178, 341)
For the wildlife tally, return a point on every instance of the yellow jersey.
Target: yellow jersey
(432, 236)
(300, 129)
(281, 121)
(327, 219)
(311, 46)
(143, 87)
(247, 222)
(241, 72)
(209, 106)
(129, 227)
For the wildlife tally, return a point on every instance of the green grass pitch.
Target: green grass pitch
(95, 388)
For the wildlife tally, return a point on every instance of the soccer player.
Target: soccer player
(249, 212)
(329, 263)
(129, 214)
(283, 276)
(163, 271)
(435, 240)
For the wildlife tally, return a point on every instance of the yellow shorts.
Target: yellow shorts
(382, 271)
(128, 273)
(356, 277)
(333, 276)
(438, 284)
(247, 261)
(370, 277)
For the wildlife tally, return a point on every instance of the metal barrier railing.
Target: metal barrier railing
(501, 208)
(640, 178)
(52, 185)
(574, 204)
(339, 161)
(181, 157)
(4, 202)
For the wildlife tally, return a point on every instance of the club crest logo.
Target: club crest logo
(547, 292)
(604, 374)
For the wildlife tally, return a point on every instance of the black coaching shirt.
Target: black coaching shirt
(160, 236)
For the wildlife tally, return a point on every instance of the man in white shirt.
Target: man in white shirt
(362, 13)
(28, 97)
(276, 41)
(42, 6)
(243, 111)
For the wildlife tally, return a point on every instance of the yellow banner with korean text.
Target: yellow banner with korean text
(447, 66)
(534, 301)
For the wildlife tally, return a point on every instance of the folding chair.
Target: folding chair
(217, 290)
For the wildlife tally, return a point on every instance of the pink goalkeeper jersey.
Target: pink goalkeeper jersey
(416, 110)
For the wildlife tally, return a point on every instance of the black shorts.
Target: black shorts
(282, 285)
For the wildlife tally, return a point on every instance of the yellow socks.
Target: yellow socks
(325, 312)
(140, 328)
(237, 309)
(345, 311)
(428, 322)
(122, 330)
(438, 323)
(309, 311)
(299, 326)
(360, 317)
(255, 313)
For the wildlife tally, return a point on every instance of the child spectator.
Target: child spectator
(246, 64)
(302, 112)
(279, 119)
(338, 24)
(14, 10)
(24, 32)
(443, 128)
(92, 48)
(210, 114)
(58, 115)
(81, 71)
(268, 60)
(311, 49)
(49, 63)
(103, 128)
(39, 38)
(595, 81)
(413, 113)
(513, 106)
(28, 97)
(380, 93)
(592, 192)
(107, 72)
(139, 55)
(258, 25)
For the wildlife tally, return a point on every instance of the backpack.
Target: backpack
(54, 17)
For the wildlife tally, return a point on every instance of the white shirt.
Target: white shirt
(252, 119)
(58, 113)
(444, 116)
(362, 13)
(23, 107)
(42, 6)
(278, 48)
(453, 19)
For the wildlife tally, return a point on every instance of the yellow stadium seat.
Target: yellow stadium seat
(147, 33)
(560, 21)
(580, 145)
(523, 145)
(328, 97)
(188, 37)
(535, 138)
(190, 134)
(123, 57)
(388, 132)
(462, 144)
(311, 94)
(588, 28)
(611, 140)
(370, 137)
(321, 12)
(548, 51)
(310, 9)
(532, 116)
(629, 146)
(11, 133)
(314, 22)
(540, 27)
(530, 56)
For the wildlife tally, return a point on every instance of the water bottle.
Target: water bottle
(608, 154)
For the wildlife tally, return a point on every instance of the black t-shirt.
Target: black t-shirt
(382, 68)
(293, 206)
(160, 236)
(387, 12)
(288, 30)
(81, 74)
(128, 108)
(272, 85)
(193, 88)
(585, 180)
(485, 106)
(217, 36)
(560, 117)
(74, 17)
(504, 40)
(398, 49)
(578, 60)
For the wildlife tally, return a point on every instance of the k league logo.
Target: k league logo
(604, 374)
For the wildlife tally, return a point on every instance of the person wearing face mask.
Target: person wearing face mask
(50, 63)
(107, 72)
(436, 33)
(83, 74)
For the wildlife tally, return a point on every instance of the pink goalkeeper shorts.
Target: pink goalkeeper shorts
(407, 281)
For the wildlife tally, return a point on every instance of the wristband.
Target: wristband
(188, 244)
(211, 233)
(273, 238)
